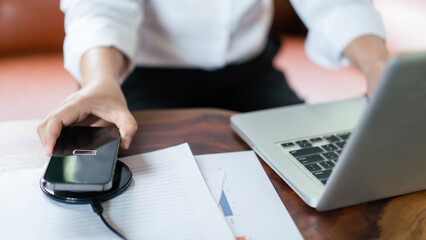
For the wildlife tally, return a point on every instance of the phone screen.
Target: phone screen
(83, 159)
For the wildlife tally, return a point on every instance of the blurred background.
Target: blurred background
(33, 80)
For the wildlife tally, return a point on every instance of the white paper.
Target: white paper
(28, 154)
(214, 181)
(168, 199)
(249, 202)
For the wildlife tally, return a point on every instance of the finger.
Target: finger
(40, 132)
(49, 133)
(51, 127)
(127, 125)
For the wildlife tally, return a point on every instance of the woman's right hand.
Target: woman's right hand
(99, 98)
(93, 102)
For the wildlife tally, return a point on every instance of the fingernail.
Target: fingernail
(127, 141)
(47, 150)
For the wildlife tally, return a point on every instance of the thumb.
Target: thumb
(127, 125)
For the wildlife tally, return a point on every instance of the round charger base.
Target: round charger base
(121, 181)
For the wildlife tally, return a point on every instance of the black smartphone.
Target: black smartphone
(83, 160)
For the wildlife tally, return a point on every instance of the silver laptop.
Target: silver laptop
(344, 153)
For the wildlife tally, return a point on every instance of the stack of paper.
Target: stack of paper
(168, 199)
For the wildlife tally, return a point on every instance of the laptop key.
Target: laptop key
(329, 147)
(327, 164)
(302, 142)
(314, 140)
(312, 167)
(340, 144)
(332, 138)
(344, 136)
(287, 144)
(306, 151)
(304, 145)
(310, 159)
(330, 155)
(322, 175)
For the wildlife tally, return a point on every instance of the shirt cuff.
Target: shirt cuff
(337, 28)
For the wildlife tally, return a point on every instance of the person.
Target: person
(139, 54)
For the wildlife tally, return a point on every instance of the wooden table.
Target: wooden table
(208, 131)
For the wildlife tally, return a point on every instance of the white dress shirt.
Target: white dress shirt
(207, 34)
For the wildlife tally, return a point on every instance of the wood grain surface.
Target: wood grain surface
(209, 131)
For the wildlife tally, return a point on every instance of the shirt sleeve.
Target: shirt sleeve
(333, 24)
(99, 23)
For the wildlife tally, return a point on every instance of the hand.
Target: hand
(369, 55)
(94, 101)
(100, 98)
(374, 75)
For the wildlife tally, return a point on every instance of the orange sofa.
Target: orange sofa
(33, 81)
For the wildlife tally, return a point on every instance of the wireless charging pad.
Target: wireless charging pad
(121, 181)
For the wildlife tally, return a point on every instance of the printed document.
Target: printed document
(168, 199)
(249, 202)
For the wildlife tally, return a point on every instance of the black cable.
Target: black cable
(98, 209)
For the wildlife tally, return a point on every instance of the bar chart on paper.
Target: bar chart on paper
(224, 205)
(230, 218)
(248, 200)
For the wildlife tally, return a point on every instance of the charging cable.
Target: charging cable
(98, 209)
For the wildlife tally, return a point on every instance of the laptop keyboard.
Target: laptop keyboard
(317, 154)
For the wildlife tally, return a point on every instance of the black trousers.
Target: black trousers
(248, 86)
